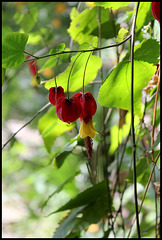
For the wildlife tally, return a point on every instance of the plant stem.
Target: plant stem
(132, 120)
(70, 74)
(35, 115)
(76, 51)
(147, 186)
(85, 70)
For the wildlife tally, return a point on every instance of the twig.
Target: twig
(152, 141)
(145, 192)
(35, 115)
(76, 51)
(132, 120)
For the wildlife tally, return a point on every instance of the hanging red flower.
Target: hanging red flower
(68, 109)
(31, 65)
(156, 10)
(89, 107)
(55, 93)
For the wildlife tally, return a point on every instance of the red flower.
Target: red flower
(89, 107)
(55, 93)
(156, 10)
(31, 65)
(68, 110)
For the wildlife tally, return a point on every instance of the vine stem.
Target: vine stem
(35, 115)
(147, 186)
(85, 70)
(132, 120)
(70, 74)
(76, 51)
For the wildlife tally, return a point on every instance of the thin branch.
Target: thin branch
(132, 119)
(35, 115)
(76, 51)
(147, 186)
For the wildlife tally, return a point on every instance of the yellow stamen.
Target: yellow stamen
(87, 129)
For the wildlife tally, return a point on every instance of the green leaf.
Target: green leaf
(3, 75)
(59, 188)
(68, 224)
(13, 45)
(117, 135)
(59, 48)
(27, 20)
(50, 63)
(50, 127)
(61, 155)
(85, 25)
(142, 171)
(113, 5)
(115, 91)
(143, 16)
(76, 77)
(121, 34)
(89, 196)
(147, 51)
(157, 141)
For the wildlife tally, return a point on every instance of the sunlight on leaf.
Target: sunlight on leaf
(115, 91)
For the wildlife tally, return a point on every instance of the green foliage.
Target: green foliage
(13, 45)
(85, 25)
(89, 196)
(121, 34)
(144, 15)
(76, 77)
(45, 167)
(112, 5)
(53, 129)
(27, 20)
(147, 51)
(115, 91)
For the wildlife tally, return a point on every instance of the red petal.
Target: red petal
(68, 110)
(156, 10)
(88, 104)
(55, 93)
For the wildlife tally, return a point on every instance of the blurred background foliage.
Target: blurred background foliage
(44, 168)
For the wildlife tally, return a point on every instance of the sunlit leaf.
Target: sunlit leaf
(50, 63)
(118, 134)
(148, 51)
(85, 25)
(76, 77)
(50, 127)
(113, 5)
(115, 91)
(13, 45)
(121, 34)
(144, 15)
